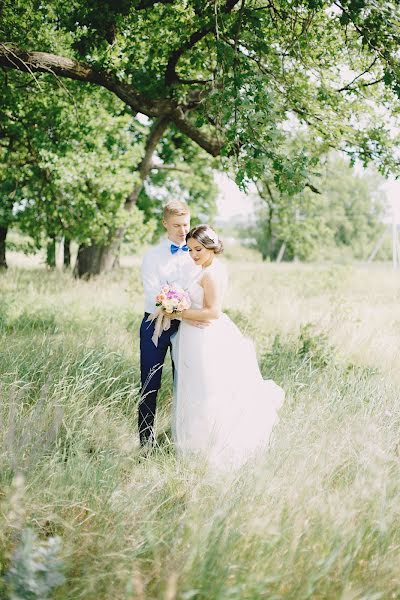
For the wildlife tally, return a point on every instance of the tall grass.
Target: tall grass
(315, 517)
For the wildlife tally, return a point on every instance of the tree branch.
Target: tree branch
(210, 144)
(313, 188)
(169, 168)
(43, 62)
(144, 4)
(348, 85)
(192, 81)
(368, 83)
(382, 53)
(170, 71)
(156, 133)
(260, 192)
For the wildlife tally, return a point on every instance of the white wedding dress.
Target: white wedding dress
(223, 410)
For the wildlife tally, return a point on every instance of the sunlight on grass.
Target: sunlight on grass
(316, 517)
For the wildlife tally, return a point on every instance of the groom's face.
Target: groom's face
(177, 228)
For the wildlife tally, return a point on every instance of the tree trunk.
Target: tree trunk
(3, 237)
(281, 252)
(67, 253)
(51, 253)
(95, 259)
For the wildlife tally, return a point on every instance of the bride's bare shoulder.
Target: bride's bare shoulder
(215, 273)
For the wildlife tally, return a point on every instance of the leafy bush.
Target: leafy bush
(35, 568)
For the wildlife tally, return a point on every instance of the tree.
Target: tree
(190, 178)
(67, 168)
(355, 206)
(5, 214)
(76, 163)
(347, 213)
(227, 74)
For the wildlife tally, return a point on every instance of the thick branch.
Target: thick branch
(212, 145)
(3, 237)
(42, 62)
(146, 165)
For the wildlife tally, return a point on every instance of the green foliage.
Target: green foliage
(347, 214)
(35, 569)
(19, 242)
(315, 346)
(310, 352)
(270, 89)
(69, 166)
(188, 176)
(240, 73)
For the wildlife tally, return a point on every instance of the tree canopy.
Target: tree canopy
(67, 167)
(233, 77)
(227, 73)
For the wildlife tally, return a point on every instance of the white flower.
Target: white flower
(169, 306)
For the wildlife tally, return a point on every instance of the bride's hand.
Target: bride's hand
(199, 324)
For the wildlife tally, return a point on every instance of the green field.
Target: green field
(317, 517)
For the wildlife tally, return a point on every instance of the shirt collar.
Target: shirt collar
(168, 243)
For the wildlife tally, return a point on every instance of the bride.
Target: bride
(223, 410)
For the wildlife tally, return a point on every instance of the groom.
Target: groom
(168, 262)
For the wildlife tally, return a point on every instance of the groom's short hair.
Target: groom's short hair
(175, 208)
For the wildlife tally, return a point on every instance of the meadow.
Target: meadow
(317, 516)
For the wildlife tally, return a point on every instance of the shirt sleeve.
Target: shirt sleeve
(150, 278)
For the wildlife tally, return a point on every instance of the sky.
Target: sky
(231, 201)
(392, 189)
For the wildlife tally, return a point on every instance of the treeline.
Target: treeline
(343, 217)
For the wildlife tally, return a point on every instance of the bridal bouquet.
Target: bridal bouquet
(171, 299)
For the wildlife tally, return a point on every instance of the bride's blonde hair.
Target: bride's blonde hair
(207, 237)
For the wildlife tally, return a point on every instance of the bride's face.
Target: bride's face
(199, 253)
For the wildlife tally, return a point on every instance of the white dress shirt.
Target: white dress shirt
(160, 266)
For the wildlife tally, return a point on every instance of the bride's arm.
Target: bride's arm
(212, 302)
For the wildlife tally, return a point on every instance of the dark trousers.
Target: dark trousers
(151, 364)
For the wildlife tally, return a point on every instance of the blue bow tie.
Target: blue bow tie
(176, 248)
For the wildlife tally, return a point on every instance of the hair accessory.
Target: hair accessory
(210, 233)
